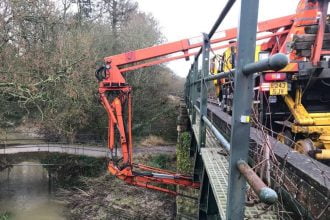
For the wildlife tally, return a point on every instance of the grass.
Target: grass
(17, 138)
(153, 140)
(162, 161)
(5, 216)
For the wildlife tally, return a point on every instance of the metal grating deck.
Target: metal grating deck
(217, 170)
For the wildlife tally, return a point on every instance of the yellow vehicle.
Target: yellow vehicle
(293, 106)
(225, 63)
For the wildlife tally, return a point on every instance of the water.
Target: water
(26, 193)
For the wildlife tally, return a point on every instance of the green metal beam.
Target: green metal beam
(243, 84)
(203, 98)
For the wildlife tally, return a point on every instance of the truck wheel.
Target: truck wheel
(304, 146)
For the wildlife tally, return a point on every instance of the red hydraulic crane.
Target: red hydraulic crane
(116, 96)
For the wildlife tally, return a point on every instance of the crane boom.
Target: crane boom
(115, 95)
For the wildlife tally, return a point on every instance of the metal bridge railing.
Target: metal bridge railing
(196, 88)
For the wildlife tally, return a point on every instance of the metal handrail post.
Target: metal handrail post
(191, 88)
(188, 91)
(203, 93)
(194, 90)
(240, 130)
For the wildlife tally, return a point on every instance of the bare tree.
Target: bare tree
(49, 53)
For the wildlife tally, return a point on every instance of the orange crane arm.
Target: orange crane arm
(184, 45)
(115, 95)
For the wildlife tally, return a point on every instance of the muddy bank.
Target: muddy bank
(106, 197)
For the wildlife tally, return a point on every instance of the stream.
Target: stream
(27, 192)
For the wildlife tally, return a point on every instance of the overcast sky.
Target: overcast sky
(181, 19)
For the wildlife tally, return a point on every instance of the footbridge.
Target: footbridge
(80, 150)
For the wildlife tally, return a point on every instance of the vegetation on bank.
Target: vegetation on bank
(5, 216)
(186, 207)
(91, 193)
(49, 52)
(107, 197)
(162, 161)
(184, 162)
(71, 168)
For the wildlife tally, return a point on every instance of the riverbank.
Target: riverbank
(106, 197)
(87, 191)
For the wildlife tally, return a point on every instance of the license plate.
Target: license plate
(278, 88)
